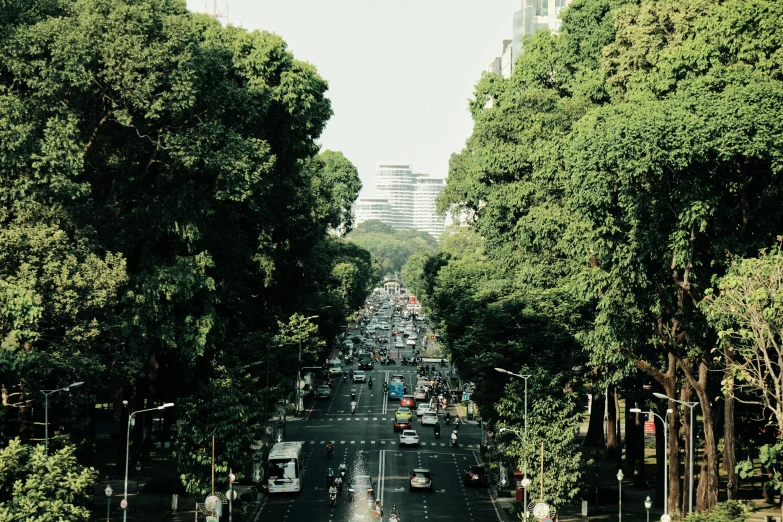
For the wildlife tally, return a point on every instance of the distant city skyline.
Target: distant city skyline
(405, 200)
(400, 74)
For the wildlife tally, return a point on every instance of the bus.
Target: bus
(396, 390)
(286, 467)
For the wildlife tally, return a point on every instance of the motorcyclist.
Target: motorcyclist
(447, 418)
(332, 494)
(330, 476)
(353, 394)
(338, 483)
(353, 406)
(345, 377)
(329, 449)
(369, 383)
(437, 429)
(385, 386)
(454, 438)
(342, 470)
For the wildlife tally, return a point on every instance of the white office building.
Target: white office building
(405, 200)
(372, 208)
(425, 218)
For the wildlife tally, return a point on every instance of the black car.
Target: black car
(366, 363)
(476, 476)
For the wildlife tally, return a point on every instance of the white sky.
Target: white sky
(400, 72)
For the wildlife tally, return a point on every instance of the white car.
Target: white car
(399, 344)
(410, 342)
(422, 408)
(429, 418)
(359, 376)
(409, 438)
(420, 394)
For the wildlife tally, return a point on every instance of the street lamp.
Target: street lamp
(647, 506)
(665, 454)
(108, 492)
(690, 452)
(47, 393)
(620, 501)
(525, 480)
(524, 441)
(124, 503)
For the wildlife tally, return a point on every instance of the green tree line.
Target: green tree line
(166, 215)
(606, 190)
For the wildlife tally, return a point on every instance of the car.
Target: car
(413, 336)
(396, 331)
(359, 376)
(401, 424)
(429, 418)
(410, 342)
(422, 408)
(359, 485)
(421, 479)
(323, 392)
(403, 413)
(409, 438)
(399, 345)
(420, 394)
(408, 401)
(366, 362)
(476, 476)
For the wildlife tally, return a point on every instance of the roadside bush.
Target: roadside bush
(729, 511)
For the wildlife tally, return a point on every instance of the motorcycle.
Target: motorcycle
(457, 423)
(437, 431)
(332, 496)
(369, 384)
(353, 408)
(454, 438)
(447, 418)
(345, 378)
(329, 451)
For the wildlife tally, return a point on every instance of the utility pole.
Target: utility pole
(217, 9)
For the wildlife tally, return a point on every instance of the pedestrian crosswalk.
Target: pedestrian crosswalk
(392, 443)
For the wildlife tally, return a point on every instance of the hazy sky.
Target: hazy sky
(400, 72)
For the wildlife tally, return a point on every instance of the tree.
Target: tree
(746, 309)
(37, 488)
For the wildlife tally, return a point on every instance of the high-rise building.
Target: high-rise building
(406, 200)
(367, 209)
(535, 15)
(425, 218)
(396, 184)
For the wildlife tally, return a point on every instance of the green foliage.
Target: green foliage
(34, 488)
(228, 408)
(390, 249)
(728, 511)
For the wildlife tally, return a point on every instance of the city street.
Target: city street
(368, 445)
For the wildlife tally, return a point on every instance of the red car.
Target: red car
(408, 401)
(395, 332)
(402, 424)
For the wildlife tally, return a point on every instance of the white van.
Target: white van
(335, 367)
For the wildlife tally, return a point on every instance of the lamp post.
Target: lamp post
(124, 503)
(647, 506)
(47, 393)
(524, 441)
(620, 500)
(690, 452)
(665, 454)
(108, 492)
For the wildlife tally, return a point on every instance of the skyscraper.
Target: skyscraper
(406, 200)
(396, 184)
(425, 218)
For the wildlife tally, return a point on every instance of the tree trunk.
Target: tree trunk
(685, 396)
(639, 471)
(707, 492)
(595, 430)
(630, 438)
(729, 451)
(612, 449)
(660, 456)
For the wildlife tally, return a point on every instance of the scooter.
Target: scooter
(353, 409)
(332, 497)
(454, 439)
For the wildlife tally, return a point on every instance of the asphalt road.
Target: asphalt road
(368, 445)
